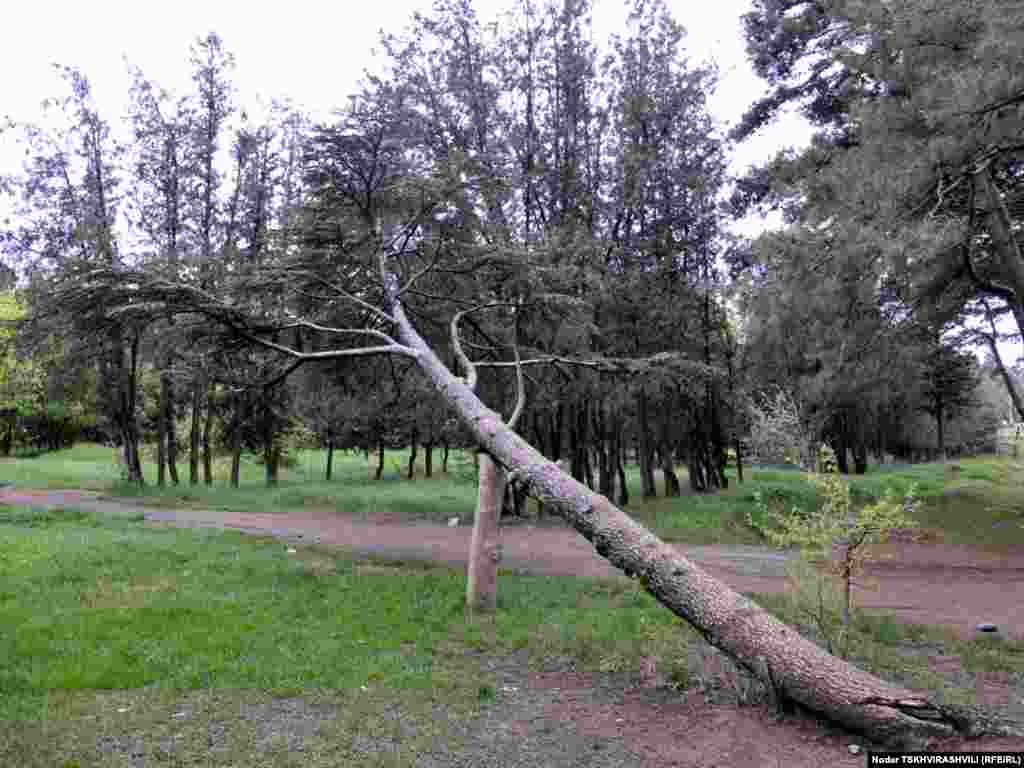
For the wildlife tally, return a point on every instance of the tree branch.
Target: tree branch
(375, 311)
(334, 354)
(326, 329)
(520, 388)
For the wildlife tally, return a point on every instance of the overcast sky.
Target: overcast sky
(311, 52)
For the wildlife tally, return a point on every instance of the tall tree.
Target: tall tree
(212, 101)
(920, 105)
(949, 380)
(67, 217)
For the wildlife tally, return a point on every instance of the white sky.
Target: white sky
(311, 52)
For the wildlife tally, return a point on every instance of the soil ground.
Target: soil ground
(636, 722)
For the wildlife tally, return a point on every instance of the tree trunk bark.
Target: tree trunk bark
(622, 492)
(484, 545)
(604, 444)
(236, 463)
(940, 428)
(207, 429)
(428, 459)
(668, 470)
(1008, 251)
(645, 450)
(444, 458)
(860, 458)
(161, 433)
(796, 668)
(172, 434)
(330, 459)
(380, 461)
(271, 458)
(130, 430)
(411, 472)
(193, 438)
(1018, 404)
(271, 452)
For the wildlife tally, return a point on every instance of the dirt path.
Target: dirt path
(950, 585)
(597, 720)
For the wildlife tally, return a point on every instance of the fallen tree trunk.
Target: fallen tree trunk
(794, 667)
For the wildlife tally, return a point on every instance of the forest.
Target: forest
(522, 217)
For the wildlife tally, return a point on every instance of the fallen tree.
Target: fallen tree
(793, 667)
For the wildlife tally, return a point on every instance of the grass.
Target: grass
(900, 651)
(99, 612)
(112, 630)
(86, 465)
(976, 500)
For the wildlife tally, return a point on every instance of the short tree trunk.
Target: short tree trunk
(484, 547)
(236, 463)
(411, 472)
(271, 461)
(330, 459)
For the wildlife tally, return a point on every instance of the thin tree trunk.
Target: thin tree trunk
(161, 433)
(411, 472)
(484, 545)
(330, 459)
(1018, 404)
(602, 451)
(428, 459)
(622, 496)
(645, 450)
(236, 463)
(130, 431)
(380, 460)
(207, 429)
(444, 458)
(672, 487)
(1008, 251)
(167, 402)
(795, 667)
(940, 426)
(273, 463)
(194, 433)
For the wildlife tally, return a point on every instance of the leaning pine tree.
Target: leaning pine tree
(797, 670)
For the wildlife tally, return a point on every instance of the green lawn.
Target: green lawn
(111, 628)
(975, 500)
(102, 603)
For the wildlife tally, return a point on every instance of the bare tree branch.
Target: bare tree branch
(421, 272)
(520, 388)
(375, 311)
(326, 329)
(464, 362)
(388, 349)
